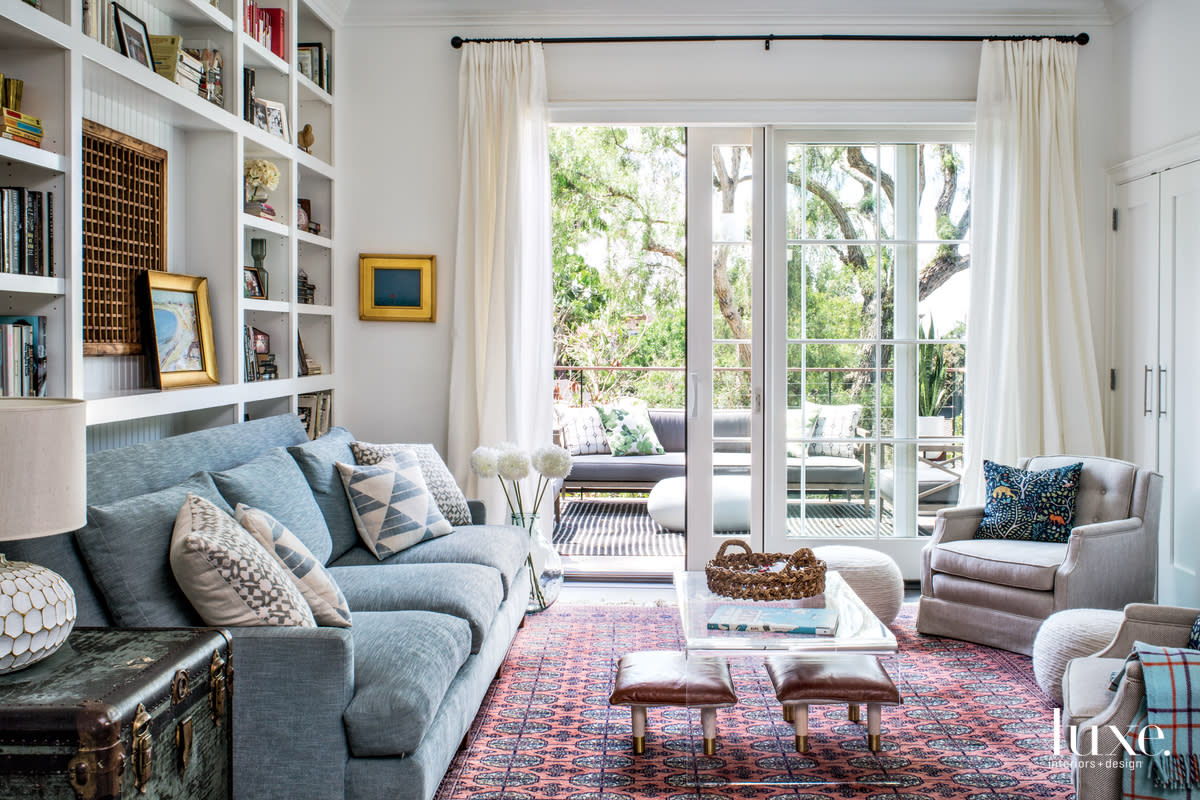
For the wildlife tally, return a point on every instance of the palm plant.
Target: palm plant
(933, 373)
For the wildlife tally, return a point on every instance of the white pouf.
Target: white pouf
(667, 503)
(1074, 633)
(873, 576)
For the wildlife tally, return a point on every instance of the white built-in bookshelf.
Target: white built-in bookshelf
(71, 77)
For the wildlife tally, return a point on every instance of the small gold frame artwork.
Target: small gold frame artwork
(397, 287)
(178, 329)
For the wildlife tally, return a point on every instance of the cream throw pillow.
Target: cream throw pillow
(227, 575)
(392, 508)
(324, 596)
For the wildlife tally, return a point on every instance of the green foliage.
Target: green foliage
(933, 375)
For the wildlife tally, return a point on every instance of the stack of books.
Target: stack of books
(22, 128)
(23, 356)
(176, 64)
(305, 291)
(212, 86)
(266, 26)
(314, 411)
(26, 231)
(811, 621)
(11, 90)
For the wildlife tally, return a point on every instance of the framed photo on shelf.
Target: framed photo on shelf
(132, 35)
(397, 288)
(177, 327)
(260, 114)
(312, 54)
(276, 119)
(262, 341)
(252, 284)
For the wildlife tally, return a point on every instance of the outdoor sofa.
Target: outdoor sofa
(731, 456)
(371, 711)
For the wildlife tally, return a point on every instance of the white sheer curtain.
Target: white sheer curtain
(1031, 380)
(502, 359)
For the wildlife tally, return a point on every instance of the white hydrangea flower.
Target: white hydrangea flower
(552, 461)
(483, 461)
(513, 464)
(262, 174)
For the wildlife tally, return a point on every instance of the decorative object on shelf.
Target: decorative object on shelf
(753, 576)
(123, 180)
(310, 60)
(178, 329)
(397, 287)
(252, 287)
(511, 465)
(258, 252)
(301, 217)
(309, 225)
(212, 64)
(261, 176)
(315, 411)
(262, 341)
(305, 138)
(305, 291)
(271, 117)
(132, 35)
(43, 491)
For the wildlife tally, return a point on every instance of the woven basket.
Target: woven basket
(746, 576)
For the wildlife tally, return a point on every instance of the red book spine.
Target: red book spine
(275, 16)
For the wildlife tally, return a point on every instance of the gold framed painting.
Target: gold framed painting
(394, 287)
(177, 324)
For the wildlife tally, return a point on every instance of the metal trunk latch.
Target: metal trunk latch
(142, 750)
(217, 687)
(183, 743)
(179, 687)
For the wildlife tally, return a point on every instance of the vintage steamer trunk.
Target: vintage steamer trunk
(121, 713)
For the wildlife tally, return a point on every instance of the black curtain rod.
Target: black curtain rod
(1081, 39)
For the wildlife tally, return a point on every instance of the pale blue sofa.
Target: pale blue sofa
(372, 711)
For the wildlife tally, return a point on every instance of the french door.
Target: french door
(825, 285)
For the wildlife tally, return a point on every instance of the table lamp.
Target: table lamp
(43, 491)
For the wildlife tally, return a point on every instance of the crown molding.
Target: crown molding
(1119, 9)
(332, 12)
(1163, 158)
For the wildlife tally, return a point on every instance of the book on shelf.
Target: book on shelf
(10, 95)
(813, 621)
(250, 362)
(315, 411)
(248, 95)
(23, 366)
(212, 65)
(267, 27)
(26, 231)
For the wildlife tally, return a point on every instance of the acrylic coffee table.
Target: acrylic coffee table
(859, 631)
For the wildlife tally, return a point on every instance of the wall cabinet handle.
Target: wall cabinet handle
(1146, 409)
(1162, 398)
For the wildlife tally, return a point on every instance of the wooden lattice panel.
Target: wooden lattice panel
(124, 234)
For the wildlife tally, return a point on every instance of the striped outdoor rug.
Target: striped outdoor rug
(624, 528)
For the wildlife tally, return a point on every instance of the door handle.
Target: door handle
(1146, 409)
(1162, 407)
(758, 403)
(693, 394)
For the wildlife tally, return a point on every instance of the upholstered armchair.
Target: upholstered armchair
(1089, 703)
(997, 591)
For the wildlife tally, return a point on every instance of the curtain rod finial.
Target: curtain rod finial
(1083, 38)
(457, 42)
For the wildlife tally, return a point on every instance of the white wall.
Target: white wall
(1156, 64)
(397, 87)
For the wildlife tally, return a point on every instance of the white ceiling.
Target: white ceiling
(780, 12)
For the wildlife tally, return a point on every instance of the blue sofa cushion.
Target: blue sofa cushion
(275, 484)
(403, 663)
(501, 547)
(467, 591)
(127, 546)
(317, 460)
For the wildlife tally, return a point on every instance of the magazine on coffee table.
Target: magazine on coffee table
(819, 621)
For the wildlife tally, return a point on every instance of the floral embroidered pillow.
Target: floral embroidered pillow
(1034, 506)
(628, 429)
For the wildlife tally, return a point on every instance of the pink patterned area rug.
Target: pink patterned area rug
(973, 725)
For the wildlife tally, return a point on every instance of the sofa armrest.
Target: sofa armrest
(956, 524)
(1169, 626)
(1087, 577)
(290, 688)
(1095, 775)
(478, 512)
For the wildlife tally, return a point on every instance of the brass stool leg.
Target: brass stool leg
(638, 716)
(800, 721)
(789, 713)
(708, 720)
(853, 713)
(873, 725)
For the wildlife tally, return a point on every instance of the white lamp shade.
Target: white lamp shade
(43, 467)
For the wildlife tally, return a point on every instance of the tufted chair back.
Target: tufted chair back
(1108, 489)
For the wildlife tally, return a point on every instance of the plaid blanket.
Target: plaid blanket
(1171, 768)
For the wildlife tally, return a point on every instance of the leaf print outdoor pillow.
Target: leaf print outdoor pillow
(628, 430)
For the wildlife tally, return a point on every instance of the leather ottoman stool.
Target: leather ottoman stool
(659, 678)
(829, 680)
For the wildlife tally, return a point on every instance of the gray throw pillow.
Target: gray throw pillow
(317, 460)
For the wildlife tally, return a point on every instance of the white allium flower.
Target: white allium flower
(513, 464)
(483, 461)
(552, 461)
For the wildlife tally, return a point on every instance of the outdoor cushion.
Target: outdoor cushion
(127, 545)
(502, 547)
(1023, 564)
(628, 429)
(403, 663)
(274, 483)
(633, 468)
(316, 460)
(927, 478)
(467, 591)
(582, 431)
(670, 426)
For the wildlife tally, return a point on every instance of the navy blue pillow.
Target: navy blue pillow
(1034, 506)
(1194, 639)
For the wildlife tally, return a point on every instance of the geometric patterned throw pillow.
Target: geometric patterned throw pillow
(228, 576)
(628, 428)
(324, 596)
(1034, 506)
(834, 422)
(582, 430)
(441, 484)
(393, 510)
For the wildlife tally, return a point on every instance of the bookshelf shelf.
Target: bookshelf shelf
(314, 239)
(310, 91)
(313, 164)
(259, 57)
(264, 225)
(32, 285)
(195, 12)
(268, 141)
(26, 27)
(269, 306)
(314, 310)
(32, 156)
